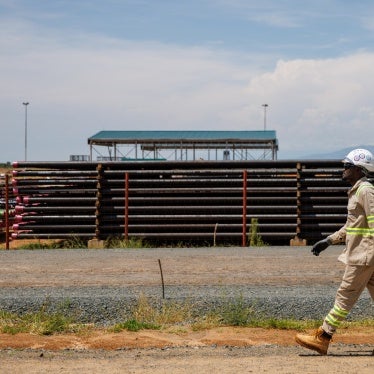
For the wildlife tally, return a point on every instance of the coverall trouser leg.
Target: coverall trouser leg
(354, 281)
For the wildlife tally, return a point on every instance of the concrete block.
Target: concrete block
(95, 244)
(296, 242)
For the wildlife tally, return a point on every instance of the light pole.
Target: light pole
(265, 107)
(25, 104)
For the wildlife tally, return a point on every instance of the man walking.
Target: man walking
(358, 256)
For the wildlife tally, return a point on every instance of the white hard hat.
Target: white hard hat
(362, 158)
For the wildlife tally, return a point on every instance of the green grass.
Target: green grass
(236, 313)
(255, 239)
(135, 243)
(40, 323)
(133, 325)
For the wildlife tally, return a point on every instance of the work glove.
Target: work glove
(320, 246)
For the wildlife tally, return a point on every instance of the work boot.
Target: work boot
(319, 341)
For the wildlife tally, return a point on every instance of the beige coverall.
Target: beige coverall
(358, 256)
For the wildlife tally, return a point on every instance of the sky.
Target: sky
(90, 65)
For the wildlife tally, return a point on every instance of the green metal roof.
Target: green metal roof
(182, 135)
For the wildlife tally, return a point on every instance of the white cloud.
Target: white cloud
(319, 104)
(276, 19)
(79, 85)
(106, 84)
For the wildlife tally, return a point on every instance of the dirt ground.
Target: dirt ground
(177, 350)
(221, 350)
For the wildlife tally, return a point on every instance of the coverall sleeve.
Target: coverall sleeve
(338, 236)
(367, 197)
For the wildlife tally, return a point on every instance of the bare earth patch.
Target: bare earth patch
(220, 336)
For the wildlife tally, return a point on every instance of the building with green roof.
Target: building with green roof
(184, 145)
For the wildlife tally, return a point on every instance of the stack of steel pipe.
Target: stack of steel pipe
(200, 200)
(54, 200)
(323, 199)
(7, 204)
(195, 201)
(204, 202)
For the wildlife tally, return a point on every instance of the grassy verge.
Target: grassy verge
(75, 243)
(40, 323)
(166, 315)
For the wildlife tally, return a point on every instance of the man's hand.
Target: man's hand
(320, 246)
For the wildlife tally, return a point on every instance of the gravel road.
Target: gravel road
(101, 286)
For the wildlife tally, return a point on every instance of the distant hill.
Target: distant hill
(336, 155)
